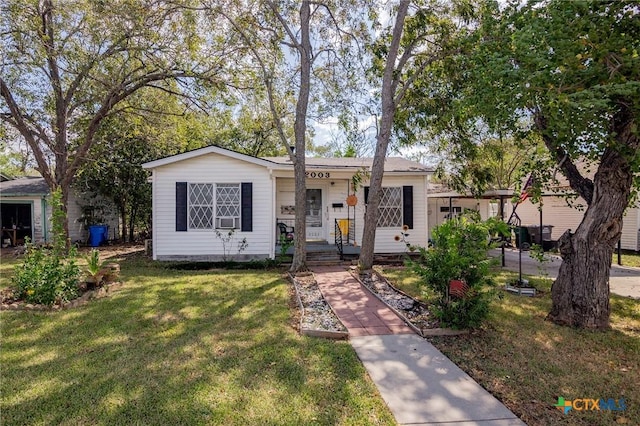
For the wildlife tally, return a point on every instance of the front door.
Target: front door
(315, 222)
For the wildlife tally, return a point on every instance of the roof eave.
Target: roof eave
(24, 194)
(205, 151)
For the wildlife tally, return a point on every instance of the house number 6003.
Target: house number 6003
(321, 175)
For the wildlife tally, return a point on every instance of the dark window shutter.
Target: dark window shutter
(181, 206)
(407, 206)
(366, 194)
(246, 206)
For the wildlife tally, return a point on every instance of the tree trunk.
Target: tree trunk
(389, 84)
(123, 218)
(580, 294)
(375, 190)
(132, 220)
(65, 192)
(299, 262)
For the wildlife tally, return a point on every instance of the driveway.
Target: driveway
(624, 280)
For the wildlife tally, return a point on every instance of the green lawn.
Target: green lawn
(528, 362)
(180, 347)
(628, 259)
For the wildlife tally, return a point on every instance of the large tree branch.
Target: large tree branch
(418, 72)
(583, 186)
(390, 69)
(115, 96)
(84, 72)
(285, 25)
(268, 82)
(19, 122)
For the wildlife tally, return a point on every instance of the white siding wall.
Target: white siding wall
(631, 230)
(285, 196)
(77, 233)
(203, 244)
(105, 213)
(555, 211)
(385, 242)
(336, 193)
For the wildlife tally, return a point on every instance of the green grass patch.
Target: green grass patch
(528, 362)
(628, 259)
(7, 264)
(180, 347)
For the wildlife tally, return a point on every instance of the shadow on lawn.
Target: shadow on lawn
(529, 362)
(174, 347)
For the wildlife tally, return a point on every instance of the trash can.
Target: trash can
(534, 232)
(98, 234)
(523, 240)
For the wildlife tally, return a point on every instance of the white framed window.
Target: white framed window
(390, 208)
(200, 196)
(227, 205)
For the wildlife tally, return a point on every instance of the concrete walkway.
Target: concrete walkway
(419, 384)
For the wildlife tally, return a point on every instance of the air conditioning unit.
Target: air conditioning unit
(226, 222)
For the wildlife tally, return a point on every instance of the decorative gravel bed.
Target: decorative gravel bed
(317, 317)
(415, 312)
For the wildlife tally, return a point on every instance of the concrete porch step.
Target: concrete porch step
(337, 262)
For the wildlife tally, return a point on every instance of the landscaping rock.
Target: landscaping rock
(317, 314)
(415, 312)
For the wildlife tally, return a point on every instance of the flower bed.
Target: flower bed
(9, 302)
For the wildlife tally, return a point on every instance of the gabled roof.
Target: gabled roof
(25, 186)
(212, 149)
(392, 164)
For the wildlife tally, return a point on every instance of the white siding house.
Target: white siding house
(201, 196)
(555, 212)
(25, 203)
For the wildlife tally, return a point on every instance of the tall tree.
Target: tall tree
(572, 70)
(422, 34)
(148, 127)
(311, 41)
(491, 162)
(67, 66)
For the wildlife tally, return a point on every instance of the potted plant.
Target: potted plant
(356, 181)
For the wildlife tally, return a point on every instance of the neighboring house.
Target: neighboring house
(555, 211)
(25, 205)
(212, 189)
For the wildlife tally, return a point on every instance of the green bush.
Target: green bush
(49, 275)
(46, 278)
(459, 252)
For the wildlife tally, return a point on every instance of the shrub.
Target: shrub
(48, 275)
(459, 252)
(45, 277)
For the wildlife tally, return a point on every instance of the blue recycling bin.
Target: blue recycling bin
(98, 234)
